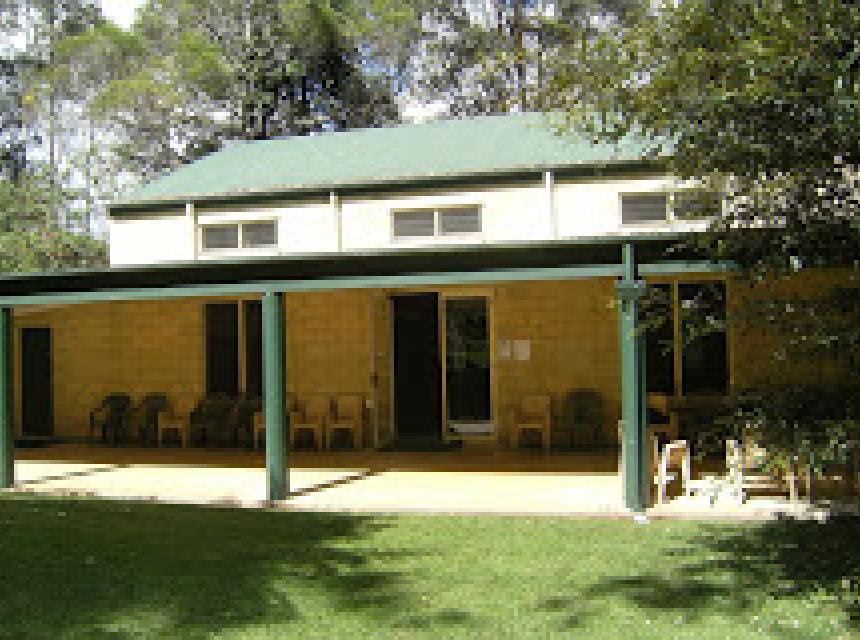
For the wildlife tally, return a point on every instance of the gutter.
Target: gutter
(370, 184)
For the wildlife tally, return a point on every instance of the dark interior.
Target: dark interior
(222, 348)
(36, 382)
(417, 366)
(254, 348)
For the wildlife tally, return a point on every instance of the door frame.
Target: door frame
(385, 295)
(478, 292)
(444, 294)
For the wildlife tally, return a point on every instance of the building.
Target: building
(446, 274)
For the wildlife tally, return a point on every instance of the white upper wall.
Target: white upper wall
(166, 237)
(524, 211)
(302, 227)
(508, 213)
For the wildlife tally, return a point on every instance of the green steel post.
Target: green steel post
(7, 429)
(275, 405)
(630, 289)
(644, 441)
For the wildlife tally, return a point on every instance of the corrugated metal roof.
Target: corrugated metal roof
(445, 148)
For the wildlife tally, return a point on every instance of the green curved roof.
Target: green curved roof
(443, 148)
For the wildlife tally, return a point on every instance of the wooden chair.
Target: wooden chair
(259, 428)
(313, 416)
(662, 416)
(170, 421)
(672, 463)
(535, 414)
(348, 416)
(747, 471)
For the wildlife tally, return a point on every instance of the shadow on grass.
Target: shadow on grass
(91, 569)
(736, 570)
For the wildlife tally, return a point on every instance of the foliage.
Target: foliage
(36, 133)
(30, 237)
(238, 70)
(497, 56)
(801, 426)
(758, 102)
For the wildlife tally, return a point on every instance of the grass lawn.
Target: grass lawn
(96, 569)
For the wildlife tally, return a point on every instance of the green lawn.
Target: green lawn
(94, 569)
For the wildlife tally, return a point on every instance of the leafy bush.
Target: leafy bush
(807, 426)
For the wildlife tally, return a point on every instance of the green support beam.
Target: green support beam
(275, 396)
(7, 428)
(486, 276)
(633, 406)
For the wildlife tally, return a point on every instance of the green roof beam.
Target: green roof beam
(358, 282)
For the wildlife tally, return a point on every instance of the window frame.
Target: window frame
(671, 207)
(674, 286)
(240, 237)
(437, 234)
(669, 218)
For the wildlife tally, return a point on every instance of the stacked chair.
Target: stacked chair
(111, 417)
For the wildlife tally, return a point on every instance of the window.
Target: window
(413, 224)
(220, 237)
(659, 339)
(433, 223)
(695, 204)
(700, 338)
(659, 208)
(644, 208)
(705, 363)
(454, 222)
(245, 235)
(259, 234)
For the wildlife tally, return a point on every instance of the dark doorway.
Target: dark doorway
(222, 348)
(417, 370)
(254, 348)
(37, 402)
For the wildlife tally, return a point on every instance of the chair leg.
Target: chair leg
(686, 473)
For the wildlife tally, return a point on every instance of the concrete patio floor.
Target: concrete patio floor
(340, 481)
(502, 483)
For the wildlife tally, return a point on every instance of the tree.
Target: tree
(757, 102)
(239, 70)
(497, 56)
(35, 109)
(30, 240)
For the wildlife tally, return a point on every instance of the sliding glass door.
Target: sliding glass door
(468, 396)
